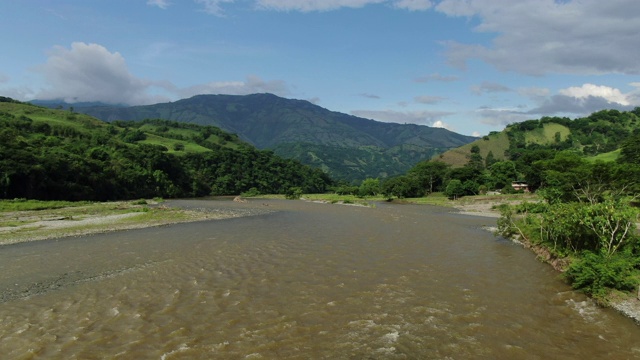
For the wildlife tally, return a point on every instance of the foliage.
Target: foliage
(47, 156)
(454, 189)
(293, 193)
(596, 274)
(402, 187)
(369, 187)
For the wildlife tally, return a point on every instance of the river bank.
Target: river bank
(95, 218)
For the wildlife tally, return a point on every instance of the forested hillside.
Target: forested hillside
(55, 154)
(347, 147)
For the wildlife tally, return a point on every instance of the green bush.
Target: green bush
(251, 192)
(293, 193)
(596, 273)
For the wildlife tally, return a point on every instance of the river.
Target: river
(299, 280)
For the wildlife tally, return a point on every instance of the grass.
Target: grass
(33, 205)
(25, 220)
(170, 143)
(458, 157)
(606, 157)
(546, 135)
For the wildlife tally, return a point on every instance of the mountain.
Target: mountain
(347, 147)
(52, 154)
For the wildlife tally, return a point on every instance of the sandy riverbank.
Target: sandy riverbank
(24, 226)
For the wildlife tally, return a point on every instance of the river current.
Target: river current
(299, 280)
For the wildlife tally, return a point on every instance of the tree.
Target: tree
(402, 187)
(454, 189)
(489, 160)
(369, 187)
(430, 174)
(630, 150)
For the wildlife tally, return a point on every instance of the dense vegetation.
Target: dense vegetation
(61, 155)
(346, 147)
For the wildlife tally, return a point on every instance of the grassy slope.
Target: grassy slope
(498, 143)
(85, 124)
(610, 156)
(457, 157)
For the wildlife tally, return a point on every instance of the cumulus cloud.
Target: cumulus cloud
(547, 36)
(610, 94)
(89, 72)
(253, 84)
(162, 4)
(403, 117)
(585, 99)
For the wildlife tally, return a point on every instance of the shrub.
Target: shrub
(293, 193)
(594, 273)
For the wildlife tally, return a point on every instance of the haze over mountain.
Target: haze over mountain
(346, 146)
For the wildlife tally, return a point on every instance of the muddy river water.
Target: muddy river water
(299, 281)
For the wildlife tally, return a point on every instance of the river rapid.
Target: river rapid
(299, 280)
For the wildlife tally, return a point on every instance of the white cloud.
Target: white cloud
(89, 72)
(442, 124)
(403, 117)
(586, 99)
(610, 94)
(413, 5)
(548, 36)
(213, 6)
(252, 85)
(162, 4)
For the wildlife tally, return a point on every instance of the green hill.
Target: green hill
(347, 147)
(597, 136)
(61, 155)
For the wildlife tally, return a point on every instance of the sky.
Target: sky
(471, 66)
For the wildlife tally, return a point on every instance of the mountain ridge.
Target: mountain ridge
(270, 122)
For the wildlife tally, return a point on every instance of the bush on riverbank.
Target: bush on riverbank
(598, 240)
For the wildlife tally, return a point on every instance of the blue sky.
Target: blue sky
(471, 66)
